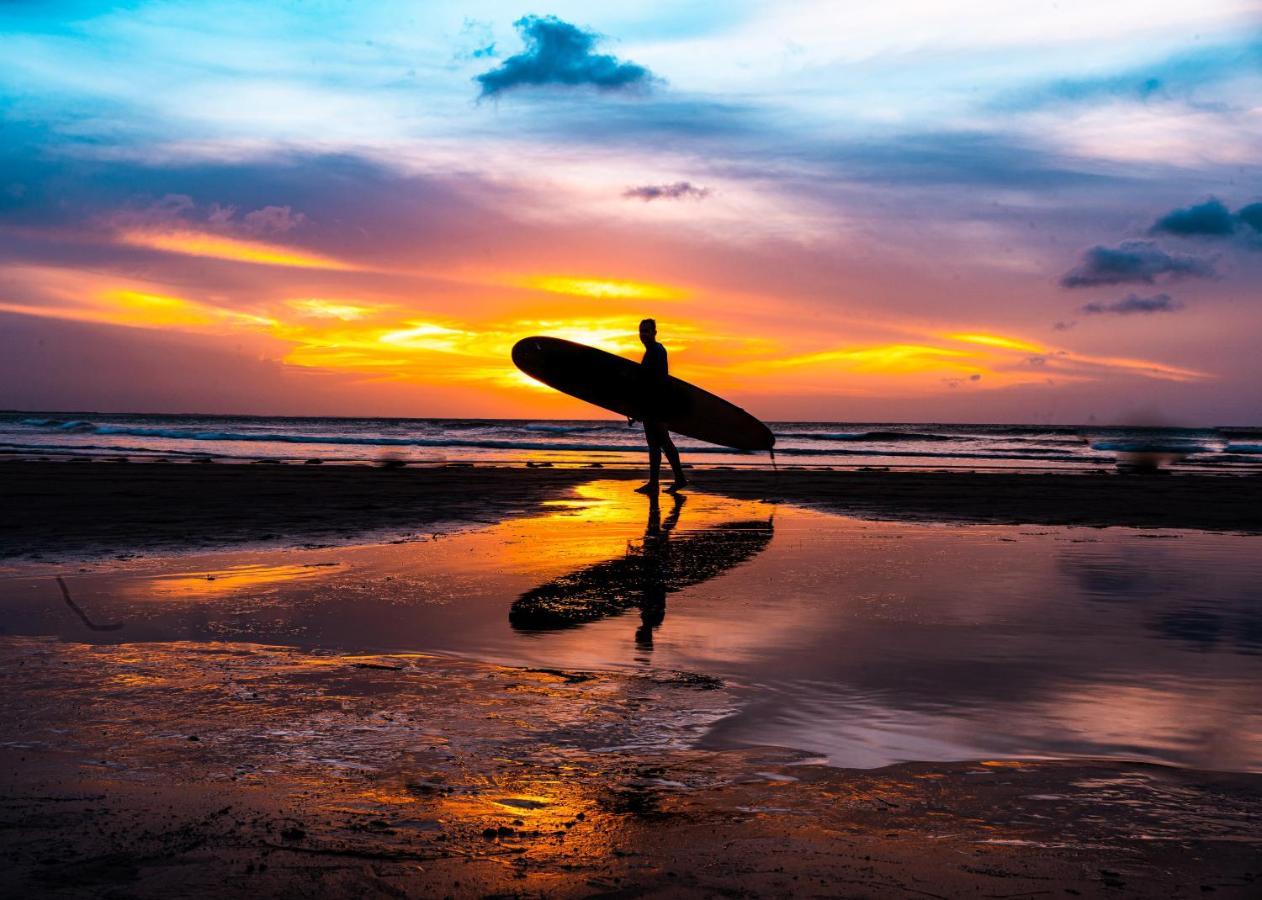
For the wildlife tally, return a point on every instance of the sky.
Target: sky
(1042, 212)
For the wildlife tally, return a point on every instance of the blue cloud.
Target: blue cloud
(1251, 216)
(558, 53)
(1212, 219)
(1133, 304)
(1134, 262)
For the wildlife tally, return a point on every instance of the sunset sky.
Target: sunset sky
(901, 211)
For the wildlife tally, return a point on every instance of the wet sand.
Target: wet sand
(248, 770)
(59, 509)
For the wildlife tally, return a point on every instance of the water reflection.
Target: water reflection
(868, 642)
(662, 563)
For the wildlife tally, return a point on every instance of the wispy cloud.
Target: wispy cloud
(1171, 76)
(1137, 262)
(560, 54)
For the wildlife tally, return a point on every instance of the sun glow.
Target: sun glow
(445, 347)
(330, 309)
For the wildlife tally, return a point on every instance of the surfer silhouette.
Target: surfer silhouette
(656, 374)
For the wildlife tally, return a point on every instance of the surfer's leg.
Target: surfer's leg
(672, 454)
(652, 434)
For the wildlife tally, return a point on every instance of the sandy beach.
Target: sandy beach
(215, 708)
(105, 507)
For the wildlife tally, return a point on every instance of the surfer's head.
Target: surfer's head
(648, 331)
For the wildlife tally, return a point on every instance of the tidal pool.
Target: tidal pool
(864, 642)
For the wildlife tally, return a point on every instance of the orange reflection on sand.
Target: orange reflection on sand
(221, 582)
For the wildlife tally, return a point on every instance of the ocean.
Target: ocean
(571, 442)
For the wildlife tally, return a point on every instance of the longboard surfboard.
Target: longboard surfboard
(621, 386)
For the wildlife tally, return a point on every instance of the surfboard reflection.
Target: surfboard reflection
(664, 562)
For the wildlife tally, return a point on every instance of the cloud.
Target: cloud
(677, 191)
(1212, 219)
(1251, 216)
(1133, 304)
(558, 53)
(1134, 262)
(272, 219)
(1182, 75)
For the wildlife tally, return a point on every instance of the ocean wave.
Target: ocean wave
(882, 436)
(59, 424)
(1027, 429)
(1150, 447)
(548, 428)
(1243, 448)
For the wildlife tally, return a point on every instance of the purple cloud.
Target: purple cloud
(680, 190)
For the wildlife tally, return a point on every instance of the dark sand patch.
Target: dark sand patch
(58, 509)
(245, 770)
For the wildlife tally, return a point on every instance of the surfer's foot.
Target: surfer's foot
(678, 486)
(650, 488)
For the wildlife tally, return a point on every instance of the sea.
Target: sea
(613, 442)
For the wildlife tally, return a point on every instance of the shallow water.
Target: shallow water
(865, 642)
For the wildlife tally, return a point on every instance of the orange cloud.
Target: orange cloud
(217, 246)
(601, 288)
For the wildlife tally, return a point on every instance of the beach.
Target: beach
(471, 681)
(107, 506)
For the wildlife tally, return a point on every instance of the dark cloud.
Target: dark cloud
(1251, 216)
(1211, 218)
(1134, 262)
(1133, 304)
(680, 190)
(1063, 326)
(558, 53)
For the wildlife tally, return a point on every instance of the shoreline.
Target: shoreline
(70, 510)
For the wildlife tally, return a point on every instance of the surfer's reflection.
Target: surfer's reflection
(655, 549)
(664, 562)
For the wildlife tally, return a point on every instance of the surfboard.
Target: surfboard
(620, 386)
